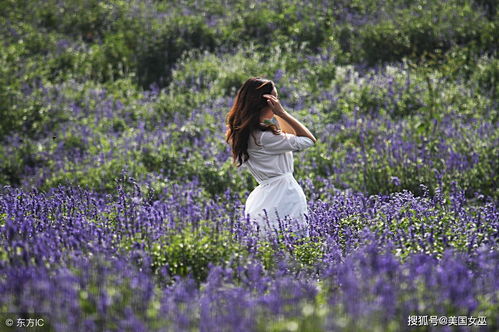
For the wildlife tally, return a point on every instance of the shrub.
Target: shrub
(191, 251)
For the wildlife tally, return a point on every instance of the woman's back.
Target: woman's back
(273, 155)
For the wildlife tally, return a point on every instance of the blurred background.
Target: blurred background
(398, 93)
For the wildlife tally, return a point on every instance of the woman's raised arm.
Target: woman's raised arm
(285, 127)
(298, 127)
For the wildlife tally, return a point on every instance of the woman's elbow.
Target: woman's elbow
(312, 139)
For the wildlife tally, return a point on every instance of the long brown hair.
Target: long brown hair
(244, 116)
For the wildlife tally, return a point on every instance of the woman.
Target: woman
(266, 150)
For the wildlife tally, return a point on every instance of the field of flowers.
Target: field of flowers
(120, 209)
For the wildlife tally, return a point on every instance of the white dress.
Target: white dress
(271, 164)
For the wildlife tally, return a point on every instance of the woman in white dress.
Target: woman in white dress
(266, 150)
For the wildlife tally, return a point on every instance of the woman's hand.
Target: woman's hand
(275, 104)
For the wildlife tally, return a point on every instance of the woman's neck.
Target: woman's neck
(263, 118)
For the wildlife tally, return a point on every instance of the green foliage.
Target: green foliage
(120, 292)
(190, 251)
(487, 76)
(13, 164)
(265, 254)
(443, 224)
(102, 177)
(161, 48)
(310, 320)
(309, 252)
(16, 113)
(422, 27)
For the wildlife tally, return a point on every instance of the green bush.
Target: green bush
(190, 251)
(20, 111)
(99, 177)
(160, 48)
(423, 27)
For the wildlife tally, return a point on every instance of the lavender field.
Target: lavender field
(120, 209)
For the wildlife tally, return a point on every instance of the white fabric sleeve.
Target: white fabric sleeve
(284, 142)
